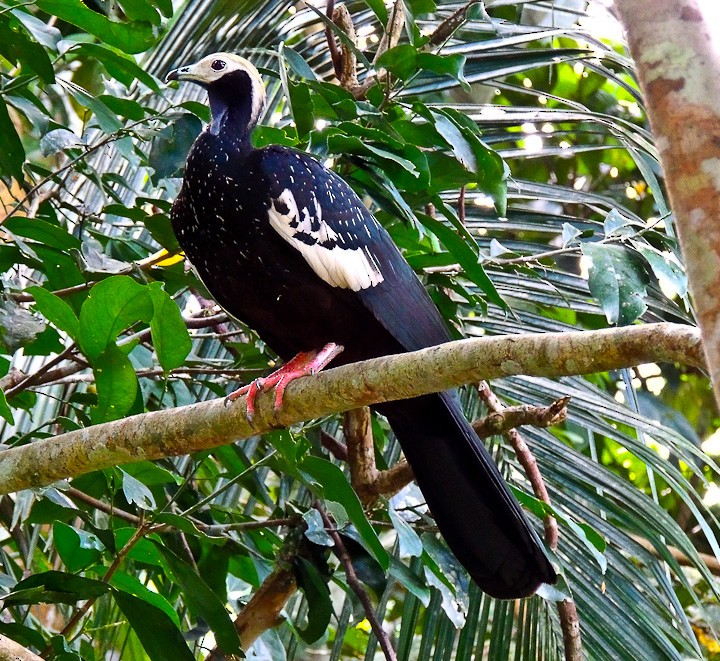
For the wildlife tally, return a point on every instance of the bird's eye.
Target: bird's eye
(218, 65)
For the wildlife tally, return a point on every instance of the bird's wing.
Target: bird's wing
(317, 213)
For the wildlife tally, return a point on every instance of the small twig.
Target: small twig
(76, 494)
(332, 45)
(37, 376)
(333, 446)
(356, 586)
(12, 379)
(446, 29)
(393, 30)
(180, 372)
(87, 151)
(81, 612)
(526, 459)
(461, 205)
(390, 481)
(65, 291)
(712, 563)
(567, 612)
(502, 421)
(207, 528)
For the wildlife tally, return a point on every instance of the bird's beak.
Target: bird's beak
(184, 73)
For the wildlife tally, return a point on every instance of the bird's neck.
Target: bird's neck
(232, 120)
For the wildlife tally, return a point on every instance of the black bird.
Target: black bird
(286, 246)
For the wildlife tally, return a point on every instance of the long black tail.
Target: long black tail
(477, 515)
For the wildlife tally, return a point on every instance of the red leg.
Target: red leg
(305, 363)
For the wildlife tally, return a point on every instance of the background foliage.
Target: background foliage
(531, 111)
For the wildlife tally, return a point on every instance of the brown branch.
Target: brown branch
(461, 205)
(12, 379)
(392, 480)
(526, 459)
(36, 377)
(356, 586)
(678, 70)
(567, 611)
(333, 446)
(47, 376)
(348, 62)
(263, 610)
(570, 625)
(712, 563)
(332, 45)
(361, 453)
(207, 425)
(390, 39)
(501, 421)
(446, 29)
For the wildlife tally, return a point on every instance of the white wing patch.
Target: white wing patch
(348, 268)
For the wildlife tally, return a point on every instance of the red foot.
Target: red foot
(305, 363)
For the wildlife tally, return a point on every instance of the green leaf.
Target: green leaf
(116, 382)
(56, 310)
(449, 65)
(111, 306)
(130, 37)
(18, 327)
(401, 61)
(618, 281)
(408, 539)
(379, 9)
(106, 118)
(169, 334)
(42, 231)
(171, 146)
(157, 632)
(317, 594)
(315, 530)
(410, 581)
(203, 601)
(298, 64)
(131, 585)
(21, 634)
(664, 266)
(137, 493)
(10, 146)
(77, 548)
(334, 486)
(120, 66)
(5, 410)
(17, 47)
(465, 253)
(302, 107)
(55, 587)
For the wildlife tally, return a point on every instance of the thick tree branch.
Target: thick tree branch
(361, 453)
(12, 651)
(679, 73)
(210, 424)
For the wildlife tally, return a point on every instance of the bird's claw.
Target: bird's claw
(303, 364)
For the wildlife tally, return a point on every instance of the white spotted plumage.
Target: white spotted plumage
(348, 268)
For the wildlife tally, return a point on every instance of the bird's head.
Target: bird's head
(235, 88)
